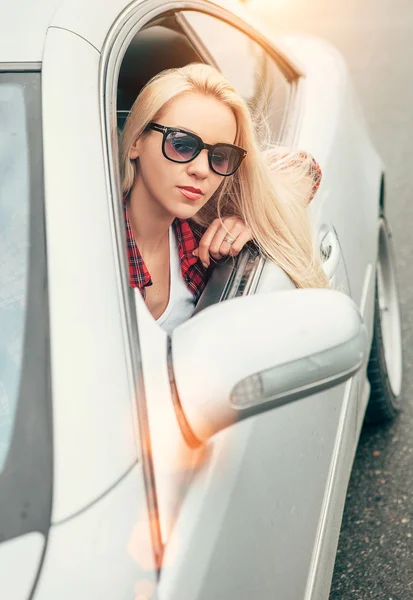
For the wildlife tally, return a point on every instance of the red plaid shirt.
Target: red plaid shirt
(316, 174)
(194, 273)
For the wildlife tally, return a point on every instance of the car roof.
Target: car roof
(23, 27)
(23, 24)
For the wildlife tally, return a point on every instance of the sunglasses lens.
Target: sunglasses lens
(226, 159)
(180, 147)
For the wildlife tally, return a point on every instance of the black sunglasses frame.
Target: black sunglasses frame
(201, 146)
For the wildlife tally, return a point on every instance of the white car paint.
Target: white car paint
(244, 475)
(103, 552)
(92, 394)
(23, 28)
(19, 563)
(356, 165)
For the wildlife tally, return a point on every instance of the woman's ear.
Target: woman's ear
(134, 150)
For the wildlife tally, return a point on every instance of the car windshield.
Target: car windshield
(25, 403)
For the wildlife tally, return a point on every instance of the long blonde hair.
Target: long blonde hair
(269, 193)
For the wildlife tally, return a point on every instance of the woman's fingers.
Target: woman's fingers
(242, 239)
(219, 246)
(213, 243)
(205, 242)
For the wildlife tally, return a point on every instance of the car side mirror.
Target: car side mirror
(248, 355)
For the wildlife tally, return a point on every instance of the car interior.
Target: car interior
(163, 44)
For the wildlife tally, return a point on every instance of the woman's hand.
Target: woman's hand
(213, 243)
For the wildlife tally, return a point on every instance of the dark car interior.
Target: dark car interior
(152, 50)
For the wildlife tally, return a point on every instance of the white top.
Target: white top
(181, 302)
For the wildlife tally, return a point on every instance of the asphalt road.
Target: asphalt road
(375, 555)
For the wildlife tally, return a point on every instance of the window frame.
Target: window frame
(113, 51)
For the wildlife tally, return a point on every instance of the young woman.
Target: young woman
(197, 187)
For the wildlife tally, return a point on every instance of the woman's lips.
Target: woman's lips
(190, 193)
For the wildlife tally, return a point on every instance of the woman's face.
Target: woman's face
(165, 181)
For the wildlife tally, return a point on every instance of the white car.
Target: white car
(212, 464)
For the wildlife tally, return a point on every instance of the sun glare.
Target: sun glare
(271, 11)
(266, 5)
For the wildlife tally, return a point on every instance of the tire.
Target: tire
(385, 367)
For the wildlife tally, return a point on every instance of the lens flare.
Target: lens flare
(144, 590)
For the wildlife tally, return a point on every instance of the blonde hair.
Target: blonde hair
(269, 192)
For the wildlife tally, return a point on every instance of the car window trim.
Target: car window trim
(17, 67)
(113, 52)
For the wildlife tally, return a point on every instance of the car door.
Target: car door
(338, 408)
(100, 541)
(232, 510)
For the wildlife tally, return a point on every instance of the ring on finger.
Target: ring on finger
(228, 238)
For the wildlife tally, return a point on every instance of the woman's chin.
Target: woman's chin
(186, 211)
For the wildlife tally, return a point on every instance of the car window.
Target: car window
(252, 71)
(25, 397)
(14, 252)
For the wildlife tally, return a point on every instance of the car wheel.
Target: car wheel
(385, 367)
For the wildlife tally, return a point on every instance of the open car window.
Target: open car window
(167, 42)
(253, 72)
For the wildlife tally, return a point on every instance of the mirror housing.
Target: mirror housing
(248, 355)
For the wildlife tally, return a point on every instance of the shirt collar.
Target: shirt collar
(139, 275)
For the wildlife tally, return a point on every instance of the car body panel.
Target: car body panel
(23, 28)
(106, 548)
(245, 512)
(333, 129)
(92, 20)
(97, 403)
(20, 560)
(321, 571)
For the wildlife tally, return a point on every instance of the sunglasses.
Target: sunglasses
(181, 146)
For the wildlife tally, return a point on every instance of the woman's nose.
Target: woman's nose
(199, 166)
